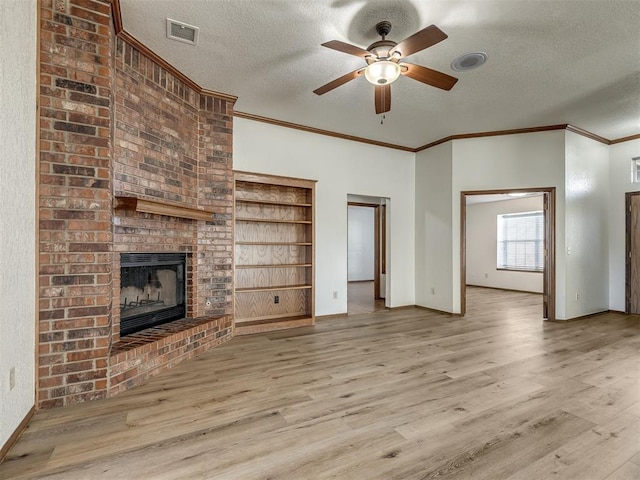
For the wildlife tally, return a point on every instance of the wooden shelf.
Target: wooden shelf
(272, 202)
(272, 220)
(161, 208)
(273, 288)
(281, 265)
(274, 252)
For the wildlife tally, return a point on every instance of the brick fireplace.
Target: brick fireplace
(133, 159)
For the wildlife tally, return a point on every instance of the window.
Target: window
(635, 170)
(521, 241)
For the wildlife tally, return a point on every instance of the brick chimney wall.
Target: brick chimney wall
(114, 123)
(75, 201)
(215, 191)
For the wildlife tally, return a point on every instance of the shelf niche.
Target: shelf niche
(274, 252)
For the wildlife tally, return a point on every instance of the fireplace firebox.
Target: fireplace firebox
(152, 290)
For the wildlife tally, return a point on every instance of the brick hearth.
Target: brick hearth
(115, 123)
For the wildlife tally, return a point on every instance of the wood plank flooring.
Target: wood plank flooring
(400, 394)
(361, 299)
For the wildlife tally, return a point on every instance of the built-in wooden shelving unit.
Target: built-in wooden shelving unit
(274, 252)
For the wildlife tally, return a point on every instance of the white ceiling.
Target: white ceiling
(550, 62)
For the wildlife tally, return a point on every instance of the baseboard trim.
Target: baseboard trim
(440, 312)
(329, 317)
(503, 289)
(16, 434)
(402, 307)
(581, 317)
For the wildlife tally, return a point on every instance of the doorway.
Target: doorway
(548, 254)
(633, 253)
(366, 254)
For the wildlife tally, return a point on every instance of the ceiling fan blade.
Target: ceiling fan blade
(419, 41)
(383, 98)
(347, 48)
(428, 76)
(338, 81)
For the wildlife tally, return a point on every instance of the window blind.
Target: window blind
(521, 241)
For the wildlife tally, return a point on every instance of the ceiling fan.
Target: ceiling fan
(384, 64)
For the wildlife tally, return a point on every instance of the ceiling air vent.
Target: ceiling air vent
(468, 61)
(182, 32)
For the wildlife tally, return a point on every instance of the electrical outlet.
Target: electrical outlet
(433, 291)
(486, 275)
(577, 297)
(335, 294)
(276, 299)
(12, 378)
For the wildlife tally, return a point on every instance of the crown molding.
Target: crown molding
(547, 128)
(625, 139)
(588, 134)
(118, 27)
(494, 133)
(144, 50)
(116, 16)
(329, 133)
(223, 96)
(119, 30)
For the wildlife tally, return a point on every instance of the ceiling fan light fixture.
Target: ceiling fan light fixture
(382, 72)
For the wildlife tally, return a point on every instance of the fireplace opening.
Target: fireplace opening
(152, 290)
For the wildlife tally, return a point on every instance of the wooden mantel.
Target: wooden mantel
(161, 208)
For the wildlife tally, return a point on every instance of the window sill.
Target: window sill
(518, 270)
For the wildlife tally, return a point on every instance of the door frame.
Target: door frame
(628, 251)
(549, 271)
(376, 243)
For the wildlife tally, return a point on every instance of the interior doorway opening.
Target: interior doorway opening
(367, 254)
(547, 254)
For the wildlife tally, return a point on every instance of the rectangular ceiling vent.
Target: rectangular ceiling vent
(182, 32)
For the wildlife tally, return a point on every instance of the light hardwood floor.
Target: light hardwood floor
(401, 394)
(361, 299)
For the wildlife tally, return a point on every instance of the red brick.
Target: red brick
(80, 169)
(61, 369)
(49, 382)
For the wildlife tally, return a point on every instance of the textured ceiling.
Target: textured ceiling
(550, 62)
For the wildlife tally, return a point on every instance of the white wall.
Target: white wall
(590, 181)
(17, 204)
(504, 162)
(434, 250)
(361, 245)
(482, 238)
(620, 156)
(341, 167)
(586, 227)
(595, 177)
(510, 161)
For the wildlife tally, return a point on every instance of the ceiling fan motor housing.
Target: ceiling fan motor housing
(380, 50)
(383, 28)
